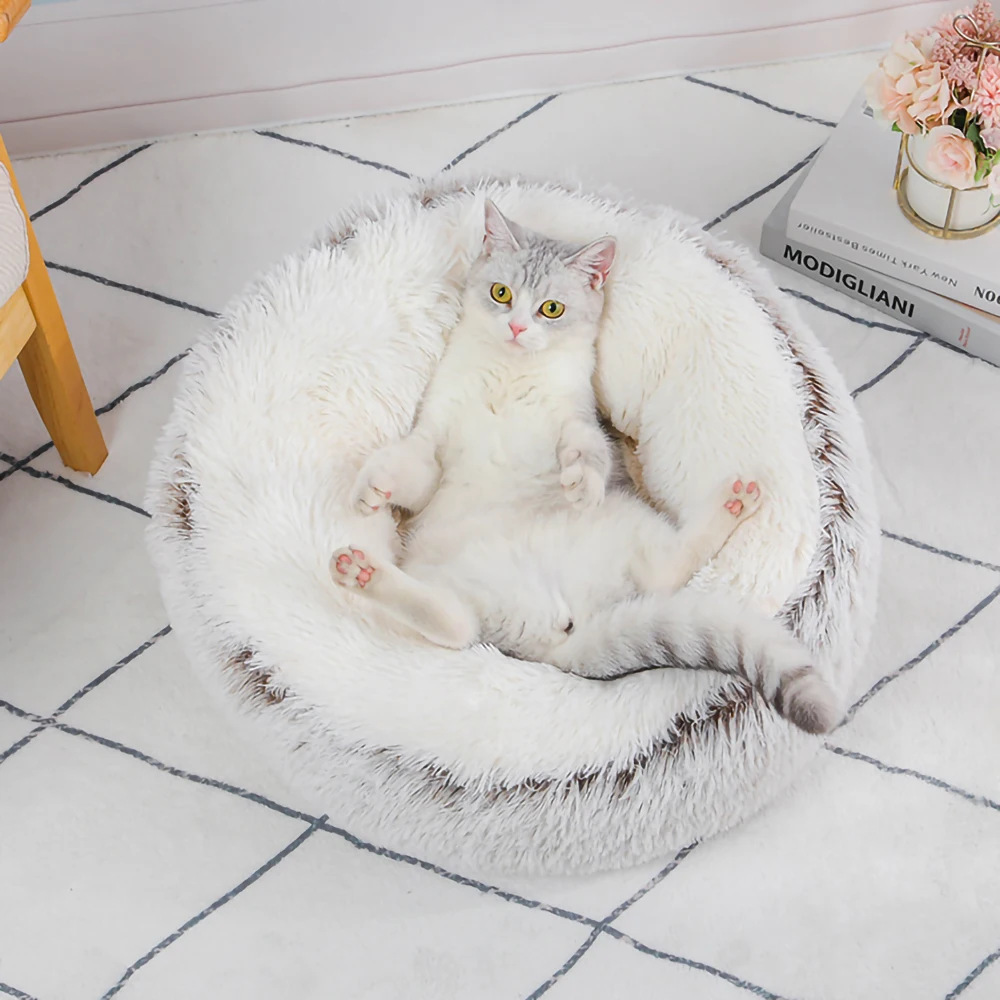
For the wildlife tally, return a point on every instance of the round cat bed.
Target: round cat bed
(469, 757)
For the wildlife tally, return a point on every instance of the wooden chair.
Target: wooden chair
(32, 328)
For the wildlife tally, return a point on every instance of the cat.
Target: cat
(516, 537)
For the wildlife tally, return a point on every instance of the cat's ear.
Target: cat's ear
(595, 260)
(500, 234)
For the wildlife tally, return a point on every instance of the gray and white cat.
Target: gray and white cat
(517, 539)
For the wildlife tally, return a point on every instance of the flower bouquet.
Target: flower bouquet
(940, 88)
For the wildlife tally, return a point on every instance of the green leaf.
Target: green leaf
(972, 134)
(982, 170)
(896, 128)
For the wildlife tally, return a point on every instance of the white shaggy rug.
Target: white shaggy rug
(145, 850)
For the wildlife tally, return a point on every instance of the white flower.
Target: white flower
(908, 54)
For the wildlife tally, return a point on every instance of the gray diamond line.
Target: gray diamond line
(922, 655)
(43, 722)
(958, 350)
(979, 800)
(11, 992)
(178, 772)
(750, 198)
(602, 925)
(330, 149)
(19, 744)
(499, 131)
(209, 910)
(90, 178)
(20, 713)
(743, 984)
(22, 462)
(69, 484)
(594, 934)
(872, 324)
(486, 889)
(974, 975)
(940, 552)
(650, 885)
(141, 384)
(113, 669)
(758, 100)
(134, 289)
(891, 367)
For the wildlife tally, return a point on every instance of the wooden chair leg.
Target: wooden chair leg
(50, 367)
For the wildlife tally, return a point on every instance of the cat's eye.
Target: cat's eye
(500, 293)
(551, 309)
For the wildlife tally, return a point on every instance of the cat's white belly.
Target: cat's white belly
(501, 458)
(510, 443)
(533, 565)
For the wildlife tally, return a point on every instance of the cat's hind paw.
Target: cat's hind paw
(743, 499)
(350, 568)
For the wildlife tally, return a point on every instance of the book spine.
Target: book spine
(950, 322)
(912, 268)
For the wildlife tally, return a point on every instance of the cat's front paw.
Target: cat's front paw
(742, 499)
(373, 488)
(582, 483)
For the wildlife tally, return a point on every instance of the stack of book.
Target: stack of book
(840, 224)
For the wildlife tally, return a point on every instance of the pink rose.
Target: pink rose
(991, 137)
(951, 158)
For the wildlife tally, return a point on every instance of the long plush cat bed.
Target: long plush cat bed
(468, 756)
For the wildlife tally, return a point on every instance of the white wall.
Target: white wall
(90, 72)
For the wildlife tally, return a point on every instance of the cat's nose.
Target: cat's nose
(516, 328)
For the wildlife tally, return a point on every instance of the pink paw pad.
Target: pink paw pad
(747, 495)
(352, 567)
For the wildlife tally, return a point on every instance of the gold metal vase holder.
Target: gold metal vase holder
(945, 232)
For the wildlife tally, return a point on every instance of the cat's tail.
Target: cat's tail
(701, 632)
